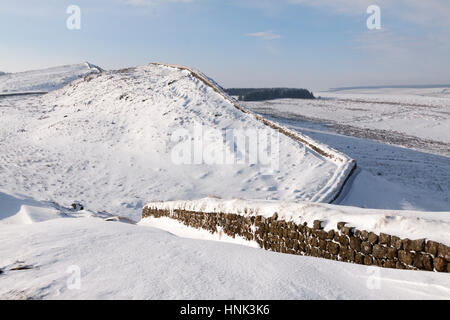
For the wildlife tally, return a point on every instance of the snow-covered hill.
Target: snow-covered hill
(107, 140)
(44, 80)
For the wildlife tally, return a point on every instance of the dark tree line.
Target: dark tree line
(260, 94)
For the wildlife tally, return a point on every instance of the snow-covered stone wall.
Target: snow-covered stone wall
(342, 243)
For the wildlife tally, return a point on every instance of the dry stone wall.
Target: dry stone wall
(344, 243)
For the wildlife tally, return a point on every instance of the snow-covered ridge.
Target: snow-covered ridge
(46, 79)
(107, 141)
(346, 165)
(403, 224)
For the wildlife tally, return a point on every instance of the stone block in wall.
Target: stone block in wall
(359, 258)
(336, 237)
(389, 263)
(348, 231)
(378, 262)
(355, 243)
(440, 264)
(444, 251)
(351, 255)
(385, 239)
(431, 247)
(379, 251)
(406, 243)
(317, 224)
(330, 234)
(372, 238)
(418, 245)
(322, 245)
(364, 235)
(340, 225)
(399, 265)
(368, 260)
(427, 262)
(322, 234)
(406, 257)
(343, 240)
(333, 248)
(392, 253)
(366, 248)
(396, 242)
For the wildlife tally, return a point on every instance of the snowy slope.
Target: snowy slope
(107, 141)
(126, 261)
(44, 80)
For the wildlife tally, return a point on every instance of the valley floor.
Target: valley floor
(390, 175)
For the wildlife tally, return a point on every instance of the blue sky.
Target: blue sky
(315, 44)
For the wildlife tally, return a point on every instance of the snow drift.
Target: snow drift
(44, 80)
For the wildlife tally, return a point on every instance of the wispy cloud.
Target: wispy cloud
(152, 2)
(430, 12)
(265, 35)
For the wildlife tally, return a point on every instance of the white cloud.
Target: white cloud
(265, 35)
(152, 2)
